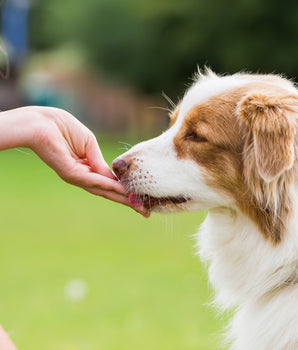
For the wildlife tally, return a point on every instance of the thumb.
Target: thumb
(96, 160)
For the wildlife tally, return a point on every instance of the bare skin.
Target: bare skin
(5, 342)
(67, 146)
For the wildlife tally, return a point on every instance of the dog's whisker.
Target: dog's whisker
(128, 145)
(168, 99)
(169, 110)
(124, 148)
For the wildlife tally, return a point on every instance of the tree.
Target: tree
(156, 45)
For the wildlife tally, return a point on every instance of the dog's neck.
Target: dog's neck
(242, 263)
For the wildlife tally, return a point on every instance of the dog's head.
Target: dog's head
(232, 143)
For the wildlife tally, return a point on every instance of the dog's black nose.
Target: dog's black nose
(120, 167)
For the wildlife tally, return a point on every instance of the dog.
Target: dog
(231, 148)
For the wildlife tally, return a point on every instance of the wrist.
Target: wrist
(19, 126)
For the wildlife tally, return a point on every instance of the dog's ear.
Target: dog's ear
(270, 122)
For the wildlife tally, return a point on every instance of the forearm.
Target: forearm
(17, 127)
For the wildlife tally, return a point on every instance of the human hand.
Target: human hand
(69, 148)
(5, 342)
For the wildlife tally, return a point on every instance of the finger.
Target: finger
(116, 197)
(96, 160)
(83, 161)
(5, 342)
(80, 177)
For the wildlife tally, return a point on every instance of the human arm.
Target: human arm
(5, 342)
(66, 145)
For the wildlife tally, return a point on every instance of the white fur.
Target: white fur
(246, 270)
(165, 175)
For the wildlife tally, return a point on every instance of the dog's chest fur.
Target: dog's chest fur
(260, 281)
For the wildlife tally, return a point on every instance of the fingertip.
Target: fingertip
(119, 188)
(141, 210)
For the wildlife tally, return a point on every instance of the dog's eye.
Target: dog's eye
(195, 137)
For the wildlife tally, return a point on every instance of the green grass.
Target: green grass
(146, 287)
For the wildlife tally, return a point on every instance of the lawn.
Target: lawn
(146, 289)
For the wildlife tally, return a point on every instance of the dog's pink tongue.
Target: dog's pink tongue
(135, 200)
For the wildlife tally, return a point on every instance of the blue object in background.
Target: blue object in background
(14, 23)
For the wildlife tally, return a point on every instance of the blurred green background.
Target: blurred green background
(143, 286)
(79, 272)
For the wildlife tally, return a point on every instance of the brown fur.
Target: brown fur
(272, 122)
(249, 152)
